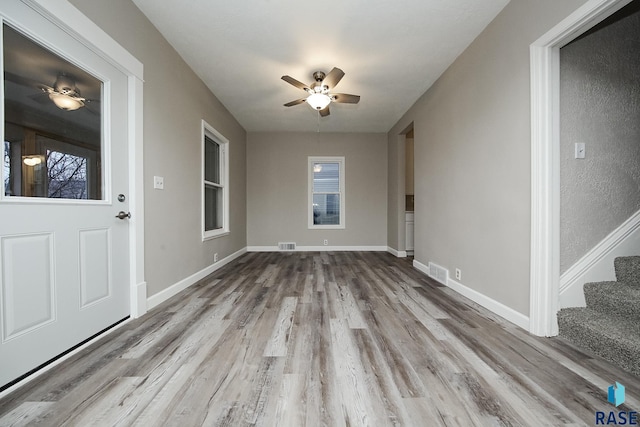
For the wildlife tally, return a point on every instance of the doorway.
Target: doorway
(545, 142)
(409, 190)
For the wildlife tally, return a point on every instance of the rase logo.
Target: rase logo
(615, 396)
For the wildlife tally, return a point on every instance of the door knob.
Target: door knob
(123, 215)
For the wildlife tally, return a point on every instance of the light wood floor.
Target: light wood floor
(320, 339)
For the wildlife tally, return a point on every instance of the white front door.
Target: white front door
(64, 255)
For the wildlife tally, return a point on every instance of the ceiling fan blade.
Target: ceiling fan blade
(23, 81)
(334, 76)
(40, 98)
(345, 98)
(325, 111)
(296, 102)
(295, 83)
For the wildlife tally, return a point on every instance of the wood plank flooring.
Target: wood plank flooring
(320, 339)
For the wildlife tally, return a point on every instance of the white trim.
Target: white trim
(602, 249)
(136, 199)
(61, 359)
(326, 159)
(545, 167)
(490, 304)
(597, 264)
(320, 249)
(397, 253)
(165, 294)
(75, 23)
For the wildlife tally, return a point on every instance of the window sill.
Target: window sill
(214, 235)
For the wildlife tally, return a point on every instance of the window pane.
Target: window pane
(326, 209)
(12, 161)
(49, 101)
(211, 160)
(67, 176)
(213, 208)
(326, 177)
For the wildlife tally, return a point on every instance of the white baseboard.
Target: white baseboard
(490, 304)
(396, 253)
(141, 299)
(162, 296)
(319, 249)
(597, 264)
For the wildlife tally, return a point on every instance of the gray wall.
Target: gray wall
(172, 125)
(277, 188)
(472, 156)
(600, 106)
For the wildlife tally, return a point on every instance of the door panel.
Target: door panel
(64, 262)
(95, 260)
(28, 301)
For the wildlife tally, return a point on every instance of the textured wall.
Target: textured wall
(472, 138)
(277, 187)
(173, 244)
(600, 106)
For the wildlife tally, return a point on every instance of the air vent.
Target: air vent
(287, 246)
(438, 273)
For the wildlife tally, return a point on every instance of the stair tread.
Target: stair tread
(627, 270)
(615, 340)
(625, 329)
(613, 289)
(613, 298)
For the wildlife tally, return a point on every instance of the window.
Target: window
(215, 189)
(326, 192)
(53, 140)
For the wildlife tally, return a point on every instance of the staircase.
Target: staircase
(609, 325)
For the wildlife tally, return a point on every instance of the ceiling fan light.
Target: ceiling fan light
(318, 101)
(65, 102)
(32, 160)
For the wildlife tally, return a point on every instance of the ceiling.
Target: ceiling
(391, 52)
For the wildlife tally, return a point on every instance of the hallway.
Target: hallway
(334, 339)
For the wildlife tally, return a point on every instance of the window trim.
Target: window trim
(326, 159)
(212, 133)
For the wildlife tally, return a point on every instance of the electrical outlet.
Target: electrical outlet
(326, 242)
(158, 182)
(458, 274)
(215, 257)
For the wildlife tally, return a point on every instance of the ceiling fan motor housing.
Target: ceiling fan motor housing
(319, 76)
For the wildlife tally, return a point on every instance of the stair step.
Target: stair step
(612, 339)
(614, 298)
(627, 270)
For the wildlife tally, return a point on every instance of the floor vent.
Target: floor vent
(441, 274)
(287, 246)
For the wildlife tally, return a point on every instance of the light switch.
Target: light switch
(580, 150)
(158, 182)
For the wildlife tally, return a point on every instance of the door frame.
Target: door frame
(75, 23)
(545, 160)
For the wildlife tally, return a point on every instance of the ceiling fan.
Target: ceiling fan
(320, 95)
(64, 93)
